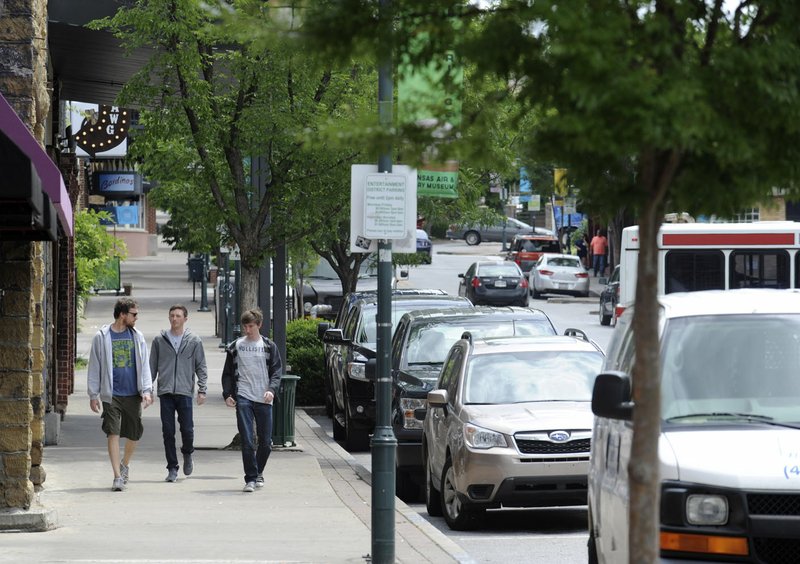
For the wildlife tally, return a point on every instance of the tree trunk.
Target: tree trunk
(643, 468)
(249, 288)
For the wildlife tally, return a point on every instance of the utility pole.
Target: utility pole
(384, 443)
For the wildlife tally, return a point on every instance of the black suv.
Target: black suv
(350, 343)
(420, 345)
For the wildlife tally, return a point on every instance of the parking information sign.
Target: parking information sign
(385, 206)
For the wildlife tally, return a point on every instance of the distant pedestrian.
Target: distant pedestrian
(250, 381)
(119, 378)
(599, 247)
(581, 250)
(176, 357)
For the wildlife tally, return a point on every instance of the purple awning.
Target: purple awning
(52, 181)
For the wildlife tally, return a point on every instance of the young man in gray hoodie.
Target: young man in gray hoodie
(176, 357)
(119, 382)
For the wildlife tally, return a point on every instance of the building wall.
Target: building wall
(23, 82)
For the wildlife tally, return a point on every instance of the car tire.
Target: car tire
(604, 319)
(355, 440)
(433, 499)
(328, 396)
(338, 429)
(472, 238)
(404, 487)
(458, 515)
(536, 294)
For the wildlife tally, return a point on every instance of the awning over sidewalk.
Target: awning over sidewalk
(52, 183)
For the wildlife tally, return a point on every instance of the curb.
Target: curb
(421, 525)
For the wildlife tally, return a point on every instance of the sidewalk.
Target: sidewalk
(315, 506)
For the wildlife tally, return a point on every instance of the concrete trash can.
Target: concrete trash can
(283, 412)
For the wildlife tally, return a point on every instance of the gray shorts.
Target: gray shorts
(123, 417)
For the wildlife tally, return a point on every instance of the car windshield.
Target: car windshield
(324, 271)
(527, 376)
(498, 270)
(731, 368)
(429, 343)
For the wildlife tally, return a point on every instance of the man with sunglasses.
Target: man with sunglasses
(119, 378)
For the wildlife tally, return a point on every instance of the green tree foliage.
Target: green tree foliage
(212, 98)
(306, 355)
(94, 246)
(673, 105)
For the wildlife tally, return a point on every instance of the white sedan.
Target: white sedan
(558, 274)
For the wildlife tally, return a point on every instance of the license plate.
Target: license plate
(500, 284)
(562, 286)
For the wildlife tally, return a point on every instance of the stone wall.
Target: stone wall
(23, 82)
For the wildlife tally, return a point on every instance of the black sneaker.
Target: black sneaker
(188, 464)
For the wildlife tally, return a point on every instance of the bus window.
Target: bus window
(759, 269)
(691, 271)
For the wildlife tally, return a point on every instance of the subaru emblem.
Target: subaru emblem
(559, 436)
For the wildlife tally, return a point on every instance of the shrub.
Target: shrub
(306, 355)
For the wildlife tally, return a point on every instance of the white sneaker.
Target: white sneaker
(260, 481)
(249, 487)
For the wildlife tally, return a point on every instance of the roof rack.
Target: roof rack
(467, 335)
(577, 333)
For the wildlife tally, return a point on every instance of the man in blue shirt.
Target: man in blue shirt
(118, 378)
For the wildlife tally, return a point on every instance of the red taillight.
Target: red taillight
(582, 275)
(523, 282)
(545, 272)
(476, 281)
(618, 311)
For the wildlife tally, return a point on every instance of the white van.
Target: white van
(729, 448)
(715, 256)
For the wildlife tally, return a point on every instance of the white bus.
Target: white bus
(714, 256)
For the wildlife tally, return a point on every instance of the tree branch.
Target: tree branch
(323, 86)
(711, 34)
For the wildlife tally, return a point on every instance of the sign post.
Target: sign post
(376, 210)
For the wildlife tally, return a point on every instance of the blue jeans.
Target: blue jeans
(170, 404)
(254, 459)
(599, 264)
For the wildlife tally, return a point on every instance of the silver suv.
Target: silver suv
(509, 425)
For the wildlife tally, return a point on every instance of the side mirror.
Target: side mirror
(321, 328)
(437, 398)
(611, 397)
(420, 413)
(371, 369)
(461, 275)
(334, 337)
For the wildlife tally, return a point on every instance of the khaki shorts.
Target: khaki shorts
(123, 417)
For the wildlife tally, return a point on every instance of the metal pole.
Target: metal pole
(204, 286)
(227, 292)
(384, 443)
(237, 298)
